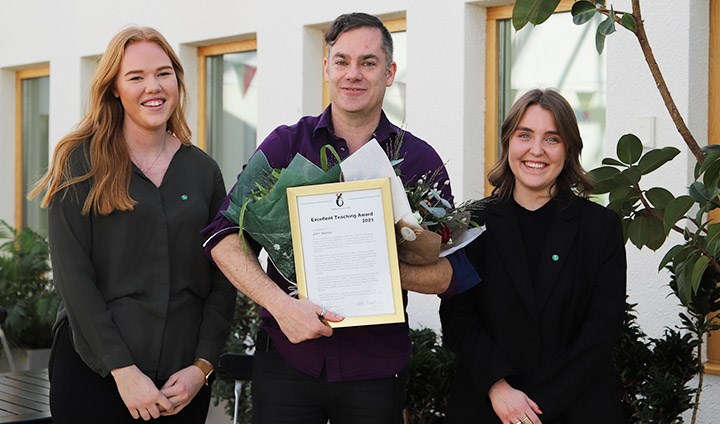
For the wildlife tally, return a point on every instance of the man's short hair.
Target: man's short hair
(350, 21)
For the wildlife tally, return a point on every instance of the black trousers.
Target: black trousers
(80, 395)
(281, 394)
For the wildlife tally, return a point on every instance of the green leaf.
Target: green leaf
(656, 236)
(712, 174)
(633, 174)
(535, 11)
(583, 11)
(619, 193)
(699, 193)
(604, 187)
(711, 156)
(614, 162)
(656, 158)
(628, 21)
(659, 197)
(607, 26)
(639, 230)
(672, 254)
(675, 210)
(698, 271)
(685, 283)
(629, 149)
(602, 173)
(599, 41)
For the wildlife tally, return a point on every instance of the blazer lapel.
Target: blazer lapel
(505, 232)
(557, 248)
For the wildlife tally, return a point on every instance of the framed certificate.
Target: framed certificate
(345, 253)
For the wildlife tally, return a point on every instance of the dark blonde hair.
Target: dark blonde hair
(572, 177)
(110, 168)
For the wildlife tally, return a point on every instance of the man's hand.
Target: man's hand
(182, 387)
(300, 320)
(513, 406)
(138, 392)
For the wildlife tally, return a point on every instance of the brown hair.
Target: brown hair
(572, 177)
(101, 128)
(350, 21)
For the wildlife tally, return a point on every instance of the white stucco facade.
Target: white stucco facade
(445, 88)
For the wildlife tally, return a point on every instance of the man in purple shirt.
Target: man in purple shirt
(305, 371)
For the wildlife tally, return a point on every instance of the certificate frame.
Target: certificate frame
(372, 195)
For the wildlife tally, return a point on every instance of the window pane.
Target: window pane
(231, 111)
(561, 55)
(394, 102)
(35, 108)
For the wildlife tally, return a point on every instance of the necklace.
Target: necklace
(162, 149)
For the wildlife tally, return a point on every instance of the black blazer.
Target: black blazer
(552, 339)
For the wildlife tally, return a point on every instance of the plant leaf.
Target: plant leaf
(675, 210)
(614, 162)
(656, 158)
(534, 11)
(699, 193)
(607, 26)
(638, 230)
(671, 255)
(629, 149)
(659, 197)
(712, 173)
(633, 174)
(656, 236)
(698, 270)
(628, 21)
(583, 11)
(619, 193)
(599, 41)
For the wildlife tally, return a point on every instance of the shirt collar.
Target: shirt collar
(384, 131)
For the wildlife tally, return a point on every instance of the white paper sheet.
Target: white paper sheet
(370, 161)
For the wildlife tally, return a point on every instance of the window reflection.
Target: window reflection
(231, 112)
(560, 55)
(35, 119)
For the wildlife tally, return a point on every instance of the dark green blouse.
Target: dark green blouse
(136, 286)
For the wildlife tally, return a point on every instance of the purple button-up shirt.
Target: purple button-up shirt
(353, 353)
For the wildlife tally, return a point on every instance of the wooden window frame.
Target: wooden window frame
(495, 14)
(203, 53)
(392, 25)
(712, 366)
(20, 76)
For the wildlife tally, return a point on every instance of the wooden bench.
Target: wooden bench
(25, 397)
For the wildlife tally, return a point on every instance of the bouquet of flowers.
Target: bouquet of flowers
(258, 203)
(435, 228)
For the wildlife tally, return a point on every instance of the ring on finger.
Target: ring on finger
(322, 314)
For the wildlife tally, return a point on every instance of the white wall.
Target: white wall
(445, 81)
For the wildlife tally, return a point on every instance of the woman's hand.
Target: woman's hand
(138, 392)
(182, 387)
(513, 406)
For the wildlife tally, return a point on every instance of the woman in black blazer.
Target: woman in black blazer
(533, 340)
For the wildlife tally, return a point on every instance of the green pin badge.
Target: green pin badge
(184, 197)
(555, 258)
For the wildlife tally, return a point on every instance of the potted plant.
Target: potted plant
(27, 292)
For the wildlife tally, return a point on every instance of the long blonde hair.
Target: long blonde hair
(110, 168)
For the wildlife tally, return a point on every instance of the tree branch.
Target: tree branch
(661, 85)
